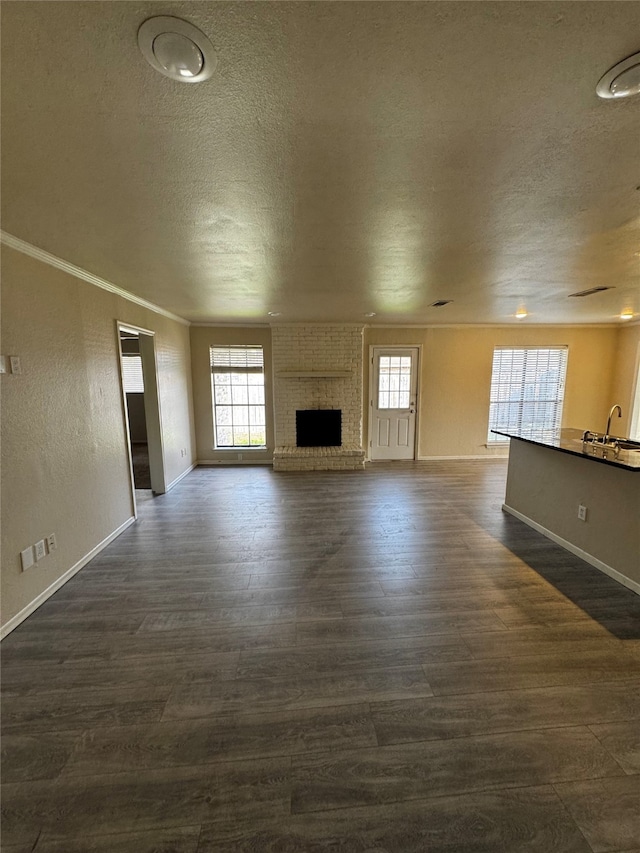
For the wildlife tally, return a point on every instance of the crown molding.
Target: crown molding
(202, 325)
(65, 266)
(596, 325)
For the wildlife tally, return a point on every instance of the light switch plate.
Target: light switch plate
(16, 367)
(3, 364)
(51, 542)
(27, 558)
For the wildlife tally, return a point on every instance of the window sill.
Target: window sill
(254, 448)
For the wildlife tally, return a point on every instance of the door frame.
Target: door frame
(372, 391)
(152, 410)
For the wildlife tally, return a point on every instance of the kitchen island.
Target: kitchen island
(549, 480)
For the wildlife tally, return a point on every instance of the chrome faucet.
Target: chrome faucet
(613, 408)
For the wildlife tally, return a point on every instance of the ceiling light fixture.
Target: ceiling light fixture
(275, 313)
(441, 303)
(370, 314)
(621, 81)
(521, 313)
(627, 314)
(177, 49)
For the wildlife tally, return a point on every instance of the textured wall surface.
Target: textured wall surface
(625, 373)
(65, 466)
(547, 486)
(202, 339)
(455, 379)
(317, 348)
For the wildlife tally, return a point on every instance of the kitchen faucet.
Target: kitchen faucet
(613, 408)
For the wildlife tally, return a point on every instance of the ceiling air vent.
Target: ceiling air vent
(440, 303)
(590, 291)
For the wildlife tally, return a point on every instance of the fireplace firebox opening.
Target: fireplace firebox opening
(319, 428)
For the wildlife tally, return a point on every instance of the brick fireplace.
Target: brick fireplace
(317, 367)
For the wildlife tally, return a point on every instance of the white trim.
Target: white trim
(229, 325)
(125, 417)
(48, 592)
(348, 323)
(181, 476)
(473, 456)
(210, 463)
(515, 324)
(59, 263)
(569, 546)
(371, 367)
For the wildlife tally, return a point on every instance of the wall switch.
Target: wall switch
(3, 364)
(16, 367)
(40, 550)
(51, 542)
(27, 558)
(582, 512)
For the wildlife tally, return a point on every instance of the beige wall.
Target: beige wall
(455, 378)
(65, 466)
(624, 377)
(202, 339)
(547, 486)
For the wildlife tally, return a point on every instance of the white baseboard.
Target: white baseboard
(48, 592)
(181, 476)
(569, 546)
(212, 463)
(452, 458)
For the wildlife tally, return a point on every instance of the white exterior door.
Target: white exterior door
(393, 402)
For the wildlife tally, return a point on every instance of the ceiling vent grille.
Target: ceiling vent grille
(441, 302)
(590, 291)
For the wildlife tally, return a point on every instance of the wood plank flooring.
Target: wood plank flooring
(370, 662)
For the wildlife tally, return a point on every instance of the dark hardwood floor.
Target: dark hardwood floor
(369, 662)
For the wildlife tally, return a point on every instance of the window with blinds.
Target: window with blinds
(237, 381)
(527, 391)
(132, 373)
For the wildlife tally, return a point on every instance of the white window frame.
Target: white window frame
(253, 365)
(499, 388)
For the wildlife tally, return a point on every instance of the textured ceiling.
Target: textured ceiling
(345, 158)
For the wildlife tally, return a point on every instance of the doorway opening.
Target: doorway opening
(142, 411)
(393, 402)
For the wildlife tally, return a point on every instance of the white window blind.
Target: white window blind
(237, 379)
(527, 391)
(132, 374)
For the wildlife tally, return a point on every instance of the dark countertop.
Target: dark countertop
(570, 441)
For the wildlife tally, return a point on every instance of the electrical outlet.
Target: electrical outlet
(27, 558)
(51, 542)
(582, 512)
(14, 361)
(239, 457)
(40, 549)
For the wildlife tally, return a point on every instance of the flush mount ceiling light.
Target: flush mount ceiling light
(177, 49)
(627, 314)
(621, 81)
(275, 313)
(521, 313)
(370, 314)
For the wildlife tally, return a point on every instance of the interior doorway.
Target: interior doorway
(142, 410)
(393, 402)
